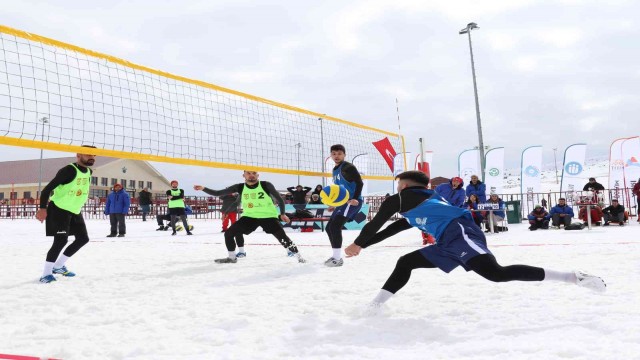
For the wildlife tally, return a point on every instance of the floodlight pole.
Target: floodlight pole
(467, 31)
(44, 120)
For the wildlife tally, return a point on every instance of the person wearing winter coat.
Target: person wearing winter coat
(472, 205)
(614, 213)
(478, 188)
(452, 192)
(498, 215)
(117, 207)
(596, 214)
(561, 214)
(538, 218)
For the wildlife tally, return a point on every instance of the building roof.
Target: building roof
(28, 171)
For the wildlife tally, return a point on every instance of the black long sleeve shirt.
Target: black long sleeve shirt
(237, 188)
(299, 196)
(64, 176)
(401, 202)
(350, 173)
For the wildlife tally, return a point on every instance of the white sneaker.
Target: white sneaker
(590, 281)
(331, 262)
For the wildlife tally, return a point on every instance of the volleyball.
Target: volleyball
(334, 195)
(179, 227)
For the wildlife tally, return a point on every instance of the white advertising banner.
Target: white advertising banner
(361, 162)
(469, 164)
(329, 164)
(631, 157)
(572, 171)
(494, 170)
(616, 168)
(398, 166)
(530, 176)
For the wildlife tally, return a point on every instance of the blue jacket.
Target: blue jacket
(455, 196)
(500, 206)
(480, 189)
(117, 203)
(561, 210)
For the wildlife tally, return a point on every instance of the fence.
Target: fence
(209, 207)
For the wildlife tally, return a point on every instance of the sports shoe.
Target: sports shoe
(606, 224)
(173, 233)
(290, 253)
(121, 235)
(111, 235)
(590, 281)
(47, 279)
(161, 228)
(167, 228)
(64, 272)
(331, 262)
(621, 224)
(226, 260)
(241, 254)
(189, 233)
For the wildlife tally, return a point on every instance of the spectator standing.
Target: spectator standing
(452, 192)
(299, 194)
(478, 188)
(144, 199)
(561, 214)
(593, 185)
(117, 208)
(614, 213)
(538, 218)
(229, 210)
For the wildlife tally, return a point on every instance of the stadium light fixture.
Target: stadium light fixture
(467, 30)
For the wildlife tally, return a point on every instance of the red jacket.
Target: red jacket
(596, 214)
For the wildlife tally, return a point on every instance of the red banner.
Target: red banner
(386, 150)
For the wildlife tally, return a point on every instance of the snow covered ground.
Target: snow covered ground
(154, 296)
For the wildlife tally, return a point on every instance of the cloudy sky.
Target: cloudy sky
(549, 73)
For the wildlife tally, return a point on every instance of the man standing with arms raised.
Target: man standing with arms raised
(345, 174)
(70, 189)
(257, 210)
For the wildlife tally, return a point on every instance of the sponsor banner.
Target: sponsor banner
(531, 163)
(329, 164)
(631, 157)
(573, 171)
(469, 164)
(386, 150)
(398, 167)
(616, 168)
(494, 170)
(361, 162)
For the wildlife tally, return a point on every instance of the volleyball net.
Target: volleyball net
(58, 96)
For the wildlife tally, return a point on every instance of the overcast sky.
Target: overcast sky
(549, 73)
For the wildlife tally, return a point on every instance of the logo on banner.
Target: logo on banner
(573, 168)
(617, 164)
(531, 171)
(494, 172)
(632, 162)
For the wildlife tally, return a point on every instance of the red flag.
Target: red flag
(424, 167)
(386, 150)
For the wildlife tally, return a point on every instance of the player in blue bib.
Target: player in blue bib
(459, 241)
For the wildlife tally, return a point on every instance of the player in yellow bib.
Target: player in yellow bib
(70, 189)
(258, 209)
